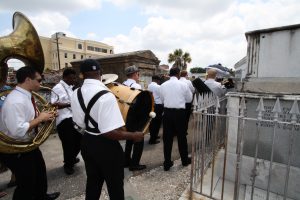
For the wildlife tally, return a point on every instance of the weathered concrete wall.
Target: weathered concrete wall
(274, 53)
(145, 60)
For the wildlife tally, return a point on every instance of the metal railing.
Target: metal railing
(245, 146)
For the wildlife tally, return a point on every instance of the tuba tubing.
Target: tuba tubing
(24, 44)
(11, 145)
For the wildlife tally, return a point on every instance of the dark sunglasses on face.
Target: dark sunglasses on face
(39, 80)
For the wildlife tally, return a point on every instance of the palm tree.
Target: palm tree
(181, 59)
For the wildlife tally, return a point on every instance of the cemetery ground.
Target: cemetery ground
(152, 183)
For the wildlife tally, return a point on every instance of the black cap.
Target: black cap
(89, 65)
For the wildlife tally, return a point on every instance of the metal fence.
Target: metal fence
(246, 146)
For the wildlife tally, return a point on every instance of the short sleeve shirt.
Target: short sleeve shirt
(105, 111)
(62, 93)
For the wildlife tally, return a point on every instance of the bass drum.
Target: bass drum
(135, 105)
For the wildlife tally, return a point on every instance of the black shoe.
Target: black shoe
(137, 167)
(69, 170)
(154, 142)
(168, 165)
(187, 162)
(52, 196)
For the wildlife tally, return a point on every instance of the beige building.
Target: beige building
(60, 50)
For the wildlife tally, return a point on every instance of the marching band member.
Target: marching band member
(68, 135)
(174, 95)
(19, 122)
(133, 161)
(158, 109)
(188, 105)
(95, 109)
(213, 85)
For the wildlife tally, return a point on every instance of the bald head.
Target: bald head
(211, 73)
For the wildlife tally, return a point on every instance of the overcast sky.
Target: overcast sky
(212, 31)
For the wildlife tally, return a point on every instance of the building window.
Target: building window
(79, 46)
(74, 56)
(81, 56)
(66, 55)
(111, 52)
(90, 48)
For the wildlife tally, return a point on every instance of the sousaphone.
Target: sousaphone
(24, 44)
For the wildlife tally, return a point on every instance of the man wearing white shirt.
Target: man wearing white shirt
(96, 110)
(188, 105)
(213, 85)
(154, 126)
(136, 148)
(20, 118)
(174, 95)
(69, 137)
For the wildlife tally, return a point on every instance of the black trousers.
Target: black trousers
(174, 125)
(104, 161)
(30, 171)
(156, 122)
(137, 150)
(70, 140)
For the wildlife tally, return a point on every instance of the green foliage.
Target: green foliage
(180, 58)
(197, 70)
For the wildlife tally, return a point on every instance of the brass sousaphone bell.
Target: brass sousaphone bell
(24, 44)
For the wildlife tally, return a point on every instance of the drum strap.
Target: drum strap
(87, 110)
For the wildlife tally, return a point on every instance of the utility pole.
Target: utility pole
(57, 46)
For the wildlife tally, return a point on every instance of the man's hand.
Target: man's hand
(47, 116)
(137, 136)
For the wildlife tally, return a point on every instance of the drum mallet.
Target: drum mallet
(151, 116)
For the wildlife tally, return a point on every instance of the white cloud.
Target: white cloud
(48, 23)
(62, 6)
(211, 31)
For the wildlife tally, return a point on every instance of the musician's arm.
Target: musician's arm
(43, 116)
(119, 134)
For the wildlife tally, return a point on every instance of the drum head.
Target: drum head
(139, 110)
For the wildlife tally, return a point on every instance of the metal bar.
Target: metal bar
(254, 171)
(271, 159)
(225, 157)
(214, 155)
(291, 137)
(239, 159)
(193, 158)
(203, 151)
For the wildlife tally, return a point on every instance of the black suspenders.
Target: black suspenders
(87, 110)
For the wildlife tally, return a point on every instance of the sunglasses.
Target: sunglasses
(39, 80)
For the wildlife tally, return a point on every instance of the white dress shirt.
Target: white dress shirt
(105, 111)
(17, 112)
(189, 83)
(132, 83)
(175, 93)
(154, 88)
(215, 87)
(63, 91)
